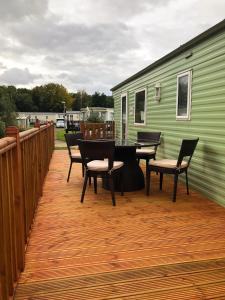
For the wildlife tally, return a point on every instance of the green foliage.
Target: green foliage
(2, 129)
(81, 99)
(49, 97)
(59, 134)
(24, 101)
(94, 118)
(7, 109)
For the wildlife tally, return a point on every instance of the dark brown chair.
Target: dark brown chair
(75, 157)
(98, 161)
(147, 153)
(175, 167)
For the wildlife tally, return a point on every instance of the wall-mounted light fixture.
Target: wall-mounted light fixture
(157, 96)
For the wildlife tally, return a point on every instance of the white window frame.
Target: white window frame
(138, 91)
(125, 94)
(188, 115)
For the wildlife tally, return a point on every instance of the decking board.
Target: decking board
(144, 248)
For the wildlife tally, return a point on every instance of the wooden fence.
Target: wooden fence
(24, 162)
(98, 130)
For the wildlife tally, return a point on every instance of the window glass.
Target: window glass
(124, 108)
(140, 107)
(124, 117)
(183, 96)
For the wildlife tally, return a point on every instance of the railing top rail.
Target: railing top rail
(42, 127)
(24, 135)
(6, 144)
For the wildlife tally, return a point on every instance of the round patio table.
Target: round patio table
(133, 177)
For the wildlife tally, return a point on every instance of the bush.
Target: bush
(7, 110)
(94, 118)
(2, 129)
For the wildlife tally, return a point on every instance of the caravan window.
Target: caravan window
(140, 107)
(183, 105)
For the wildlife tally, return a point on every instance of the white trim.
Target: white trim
(138, 91)
(187, 117)
(121, 115)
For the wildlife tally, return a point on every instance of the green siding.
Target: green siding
(207, 171)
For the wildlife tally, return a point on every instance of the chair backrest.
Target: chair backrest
(97, 150)
(187, 150)
(72, 139)
(144, 136)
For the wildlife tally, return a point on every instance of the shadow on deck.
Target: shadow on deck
(144, 248)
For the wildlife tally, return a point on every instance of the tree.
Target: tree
(50, 97)
(98, 100)
(7, 109)
(24, 101)
(109, 101)
(80, 100)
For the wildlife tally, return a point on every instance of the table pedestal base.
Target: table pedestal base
(133, 177)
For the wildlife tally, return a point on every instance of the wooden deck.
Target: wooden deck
(144, 248)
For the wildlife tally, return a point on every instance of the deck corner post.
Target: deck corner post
(37, 124)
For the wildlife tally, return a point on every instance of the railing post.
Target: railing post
(13, 131)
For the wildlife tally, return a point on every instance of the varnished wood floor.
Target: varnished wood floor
(144, 248)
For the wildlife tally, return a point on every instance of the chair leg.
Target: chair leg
(111, 184)
(68, 177)
(95, 184)
(156, 171)
(89, 180)
(147, 163)
(187, 182)
(148, 179)
(175, 187)
(121, 183)
(84, 187)
(161, 181)
(138, 160)
(82, 170)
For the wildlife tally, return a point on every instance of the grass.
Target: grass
(59, 134)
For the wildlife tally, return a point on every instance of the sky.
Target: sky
(93, 45)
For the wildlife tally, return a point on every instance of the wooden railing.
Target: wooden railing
(24, 162)
(97, 130)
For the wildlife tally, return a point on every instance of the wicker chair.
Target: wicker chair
(147, 153)
(98, 161)
(75, 157)
(175, 167)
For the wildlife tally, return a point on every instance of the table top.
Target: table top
(131, 143)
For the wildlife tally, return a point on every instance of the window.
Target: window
(183, 107)
(140, 97)
(124, 116)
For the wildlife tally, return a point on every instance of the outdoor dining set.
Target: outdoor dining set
(116, 161)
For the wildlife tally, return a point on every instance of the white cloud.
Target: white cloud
(94, 44)
(15, 10)
(17, 76)
(2, 66)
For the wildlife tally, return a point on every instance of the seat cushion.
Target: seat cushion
(145, 151)
(167, 163)
(102, 165)
(76, 155)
